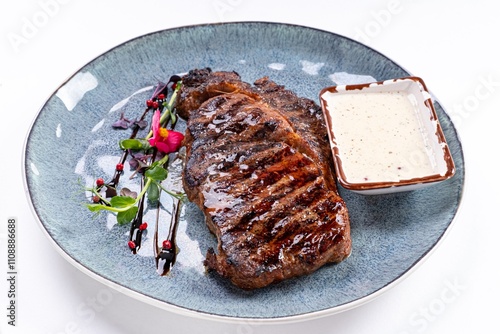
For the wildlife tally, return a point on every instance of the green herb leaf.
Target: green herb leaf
(156, 172)
(173, 118)
(127, 216)
(96, 207)
(153, 192)
(122, 201)
(134, 144)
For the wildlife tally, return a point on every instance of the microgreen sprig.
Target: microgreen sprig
(168, 114)
(126, 206)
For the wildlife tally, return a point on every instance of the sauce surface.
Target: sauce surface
(381, 136)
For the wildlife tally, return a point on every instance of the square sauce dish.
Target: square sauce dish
(385, 136)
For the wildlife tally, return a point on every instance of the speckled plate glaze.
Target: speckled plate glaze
(70, 144)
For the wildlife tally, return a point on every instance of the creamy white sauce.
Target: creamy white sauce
(381, 136)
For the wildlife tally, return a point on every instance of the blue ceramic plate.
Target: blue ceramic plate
(71, 143)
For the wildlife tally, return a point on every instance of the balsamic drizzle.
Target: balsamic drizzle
(166, 255)
(137, 226)
(111, 186)
(161, 89)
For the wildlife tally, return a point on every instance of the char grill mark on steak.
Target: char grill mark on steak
(225, 116)
(251, 201)
(257, 164)
(197, 89)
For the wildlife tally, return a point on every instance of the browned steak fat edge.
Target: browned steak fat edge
(258, 166)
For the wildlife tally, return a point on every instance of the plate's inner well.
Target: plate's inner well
(71, 143)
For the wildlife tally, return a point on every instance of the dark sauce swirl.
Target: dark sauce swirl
(166, 255)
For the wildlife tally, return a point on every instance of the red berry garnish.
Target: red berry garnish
(119, 167)
(131, 244)
(155, 105)
(161, 96)
(149, 103)
(99, 182)
(143, 226)
(167, 244)
(96, 199)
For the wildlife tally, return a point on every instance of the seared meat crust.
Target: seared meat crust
(258, 166)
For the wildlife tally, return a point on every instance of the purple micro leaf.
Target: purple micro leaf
(142, 124)
(122, 123)
(133, 163)
(160, 155)
(161, 88)
(128, 192)
(174, 79)
(139, 155)
(137, 164)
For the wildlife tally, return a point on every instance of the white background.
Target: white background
(453, 45)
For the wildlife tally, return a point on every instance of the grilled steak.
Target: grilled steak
(258, 166)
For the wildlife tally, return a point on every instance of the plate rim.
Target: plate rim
(251, 320)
